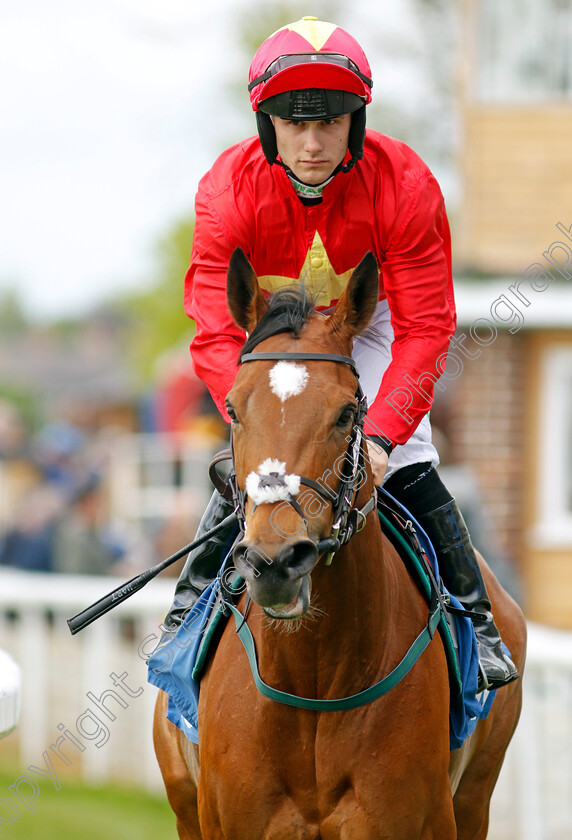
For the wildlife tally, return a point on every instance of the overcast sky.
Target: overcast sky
(111, 112)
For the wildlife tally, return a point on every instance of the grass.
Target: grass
(79, 812)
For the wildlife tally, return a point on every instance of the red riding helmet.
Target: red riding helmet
(310, 70)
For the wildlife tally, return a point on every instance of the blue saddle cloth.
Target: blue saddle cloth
(172, 666)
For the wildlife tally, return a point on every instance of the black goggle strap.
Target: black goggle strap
(295, 59)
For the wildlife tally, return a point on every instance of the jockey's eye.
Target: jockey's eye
(231, 412)
(347, 415)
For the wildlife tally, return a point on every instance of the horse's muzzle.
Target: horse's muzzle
(279, 581)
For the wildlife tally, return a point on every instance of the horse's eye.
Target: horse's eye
(231, 412)
(347, 416)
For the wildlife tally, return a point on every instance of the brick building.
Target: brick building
(505, 413)
(507, 420)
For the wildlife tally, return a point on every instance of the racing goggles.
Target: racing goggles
(296, 59)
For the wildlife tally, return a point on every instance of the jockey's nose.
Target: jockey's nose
(313, 140)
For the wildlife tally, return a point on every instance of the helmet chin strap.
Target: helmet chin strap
(345, 167)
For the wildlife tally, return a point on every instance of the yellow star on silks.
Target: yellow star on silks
(317, 276)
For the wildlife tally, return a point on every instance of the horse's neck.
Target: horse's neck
(346, 631)
(356, 590)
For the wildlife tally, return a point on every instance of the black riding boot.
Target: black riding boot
(202, 565)
(458, 564)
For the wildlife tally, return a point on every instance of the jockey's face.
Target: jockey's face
(312, 149)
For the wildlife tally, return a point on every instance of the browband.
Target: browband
(323, 357)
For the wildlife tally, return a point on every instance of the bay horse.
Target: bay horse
(265, 770)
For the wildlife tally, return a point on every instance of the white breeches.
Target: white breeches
(372, 354)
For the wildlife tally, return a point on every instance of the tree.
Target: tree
(12, 317)
(156, 318)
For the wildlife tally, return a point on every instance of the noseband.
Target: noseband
(348, 520)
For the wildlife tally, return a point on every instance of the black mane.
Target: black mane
(288, 311)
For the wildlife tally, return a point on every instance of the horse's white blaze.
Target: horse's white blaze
(287, 379)
(271, 483)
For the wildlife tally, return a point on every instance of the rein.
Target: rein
(348, 520)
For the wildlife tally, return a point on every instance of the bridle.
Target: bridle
(348, 520)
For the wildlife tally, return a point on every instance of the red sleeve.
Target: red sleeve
(418, 284)
(217, 343)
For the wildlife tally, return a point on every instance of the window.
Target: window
(554, 510)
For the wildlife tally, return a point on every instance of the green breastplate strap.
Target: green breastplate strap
(436, 619)
(342, 703)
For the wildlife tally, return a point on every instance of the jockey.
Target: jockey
(305, 200)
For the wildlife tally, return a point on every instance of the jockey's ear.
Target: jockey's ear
(355, 308)
(246, 299)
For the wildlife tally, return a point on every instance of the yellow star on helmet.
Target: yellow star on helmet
(315, 31)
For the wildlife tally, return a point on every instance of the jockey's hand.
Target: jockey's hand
(378, 459)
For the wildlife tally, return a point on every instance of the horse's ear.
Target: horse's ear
(355, 308)
(246, 300)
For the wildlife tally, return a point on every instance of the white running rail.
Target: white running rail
(66, 679)
(9, 694)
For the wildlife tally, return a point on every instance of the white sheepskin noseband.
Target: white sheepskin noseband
(271, 483)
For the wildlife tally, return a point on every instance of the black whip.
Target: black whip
(126, 590)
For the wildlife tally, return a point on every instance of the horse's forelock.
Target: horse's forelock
(288, 311)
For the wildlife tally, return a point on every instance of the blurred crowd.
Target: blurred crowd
(56, 510)
(54, 516)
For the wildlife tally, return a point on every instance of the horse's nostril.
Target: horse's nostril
(250, 560)
(298, 559)
(292, 561)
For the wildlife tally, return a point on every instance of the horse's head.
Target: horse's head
(294, 429)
